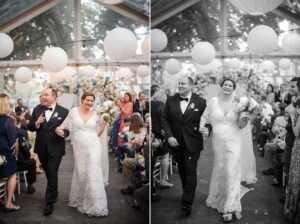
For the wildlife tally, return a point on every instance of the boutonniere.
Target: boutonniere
(192, 106)
(55, 114)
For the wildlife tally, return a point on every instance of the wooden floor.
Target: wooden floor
(33, 205)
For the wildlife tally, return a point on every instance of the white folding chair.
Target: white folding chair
(19, 182)
(157, 171)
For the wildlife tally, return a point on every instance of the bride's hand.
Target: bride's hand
(204, 131)
(59, 131)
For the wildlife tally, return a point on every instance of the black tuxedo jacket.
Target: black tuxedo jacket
(136, 108)
(46, 138)
(184, 127)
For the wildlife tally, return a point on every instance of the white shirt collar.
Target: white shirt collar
(53, 106)
(188, 96)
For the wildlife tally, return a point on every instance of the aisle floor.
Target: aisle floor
(260, 206)
(33, 205)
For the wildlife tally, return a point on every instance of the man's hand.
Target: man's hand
(59, 131)
(40, 120)
(173, 142)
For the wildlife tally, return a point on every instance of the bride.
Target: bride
(87, 188)
(225, 190)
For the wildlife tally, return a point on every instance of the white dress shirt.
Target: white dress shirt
(184, 104)
(48, 113)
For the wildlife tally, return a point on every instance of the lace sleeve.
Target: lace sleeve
(205, 118)
(67, 124)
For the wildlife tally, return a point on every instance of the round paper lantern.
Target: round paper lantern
(142, 71)
(23, 75)
(111, 2)
(54, 59)
(262, 40)
(203, 53)
(159, 40)
(88, 71)
(58, 76)
(124, 73)
(120, 44)
(6, 45)
(291, 43)
(256, 7)
(234, 63)
(267, 66)
(172, 66)
(285, 63)
(68, 73)
(145, 47)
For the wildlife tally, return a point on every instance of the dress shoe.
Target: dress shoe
(48, 209)
(268, 171)
(187, 209)
(13, 209)
(30, 189)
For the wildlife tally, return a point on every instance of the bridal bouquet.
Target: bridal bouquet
(108, 111)
(3, 160)
(246, 107)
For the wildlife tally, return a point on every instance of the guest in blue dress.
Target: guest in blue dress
(8, 139)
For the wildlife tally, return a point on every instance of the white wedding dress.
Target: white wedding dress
(225, 190)
(87, 188)
(104, 156)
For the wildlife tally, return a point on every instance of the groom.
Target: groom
(181, 120)
(49, 143)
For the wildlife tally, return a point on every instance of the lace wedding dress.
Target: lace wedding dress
(225, 190)
(104, 156)
(87, 188)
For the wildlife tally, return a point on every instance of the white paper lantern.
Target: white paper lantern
(23, 75)
(120, 44)
(145, 47)
(88, 71)
(142, 71)
(285, 63)
(124, 73)
(6, 45)
(111, 2)
(69, 73)
(291, 43)
(54, 59)
(159, 40)
(226, 62)
(58, 76)
(262, 40)
(256, 7)
(267, 66)
(234, 63)
(203, 53)
(172, 66)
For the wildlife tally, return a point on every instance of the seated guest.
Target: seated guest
(8, 150)
(277, 145)
(22, 108)
(141, 106)
(25, 162)
(283, 95)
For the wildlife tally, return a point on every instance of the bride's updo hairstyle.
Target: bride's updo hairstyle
(228, 79)
(86, 94)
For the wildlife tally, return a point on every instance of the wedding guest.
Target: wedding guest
(154, 89)
(292, 199)
(126, 111)
(158, 102)
(25, 162)
(141, 105)
(116, 126)
(133, 97)
(270, 94)
(283, 95)
(8, 142)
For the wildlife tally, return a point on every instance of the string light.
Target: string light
(27, 51)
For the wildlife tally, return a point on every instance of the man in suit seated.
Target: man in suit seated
(25, 162)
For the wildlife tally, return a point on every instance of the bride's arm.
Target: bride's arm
(296, 126)
(205, 118)
(102, 126)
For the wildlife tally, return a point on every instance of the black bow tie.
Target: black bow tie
(50, 108)
(184, 98)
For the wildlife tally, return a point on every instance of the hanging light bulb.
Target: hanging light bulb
(7, 68)
(27, 51)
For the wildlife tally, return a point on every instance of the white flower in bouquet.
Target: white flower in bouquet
(108, 103)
